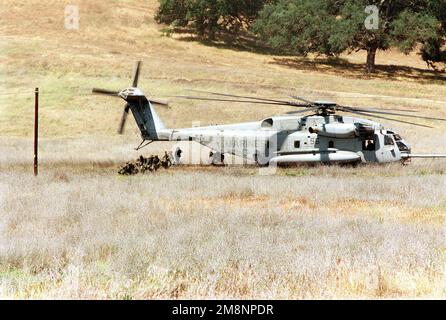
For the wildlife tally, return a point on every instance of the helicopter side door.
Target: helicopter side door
(370, 147)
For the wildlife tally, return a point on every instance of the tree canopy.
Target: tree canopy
(209, 16)
(328, 27)
(334, 26)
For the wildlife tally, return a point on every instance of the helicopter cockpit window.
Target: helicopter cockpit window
(397, 137)
(402, 146)
(388, 140)
(267, 123)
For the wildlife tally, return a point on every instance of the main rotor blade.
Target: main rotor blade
(302, 99)
(380, 109)
(123, 119)
(136, 77)
(385, 118)
(394, 114)
(247, 97)
(303, 111)
(242, 101)
(105, 92)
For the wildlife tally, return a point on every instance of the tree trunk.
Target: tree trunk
(212, 27)
(371, 57)
(211, 33)
(200, 27)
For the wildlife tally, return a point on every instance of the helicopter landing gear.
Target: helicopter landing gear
(216, 158)
(177, 156)
(406, 162)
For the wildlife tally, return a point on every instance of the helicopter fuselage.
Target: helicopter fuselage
(322, 137)
(291, 139)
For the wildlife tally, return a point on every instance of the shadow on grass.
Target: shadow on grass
(240, 41)
(246, 41)
(343, 67)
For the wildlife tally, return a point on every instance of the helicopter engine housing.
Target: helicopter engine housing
(336, 130)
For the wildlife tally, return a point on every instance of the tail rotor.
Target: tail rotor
(105, 92)
(136, 76)
(125, 113)
(131, 95)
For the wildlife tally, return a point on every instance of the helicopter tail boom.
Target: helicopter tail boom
(149, 123)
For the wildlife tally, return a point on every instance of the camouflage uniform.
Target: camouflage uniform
(166, 161)
(156, 163)
(128, 169)
(142, 164)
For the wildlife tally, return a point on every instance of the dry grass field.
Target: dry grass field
(81, 231)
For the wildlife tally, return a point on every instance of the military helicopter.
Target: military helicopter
(313, 133)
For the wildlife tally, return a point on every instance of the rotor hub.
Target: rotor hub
(131, 92)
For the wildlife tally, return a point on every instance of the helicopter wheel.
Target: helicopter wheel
(216, 158)
(177, 156)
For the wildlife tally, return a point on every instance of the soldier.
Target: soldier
(140, 163)
(156, 163)
(128, 169)
(147, 164)
(133, 169)
(171, 159)
(123, 170)
(150, 163)
(165, 161)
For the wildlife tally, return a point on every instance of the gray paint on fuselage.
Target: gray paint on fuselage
(252, 139)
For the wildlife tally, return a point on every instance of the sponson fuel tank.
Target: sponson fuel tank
(335, 156)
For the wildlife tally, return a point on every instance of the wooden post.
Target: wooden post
(36, 129)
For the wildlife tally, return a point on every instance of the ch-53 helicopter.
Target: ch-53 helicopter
(320, 136)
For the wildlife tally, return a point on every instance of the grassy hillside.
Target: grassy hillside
(81, 231)
(66, 64)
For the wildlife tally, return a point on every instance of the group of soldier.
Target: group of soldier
(150, 164)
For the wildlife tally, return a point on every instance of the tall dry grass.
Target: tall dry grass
(309, 232)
